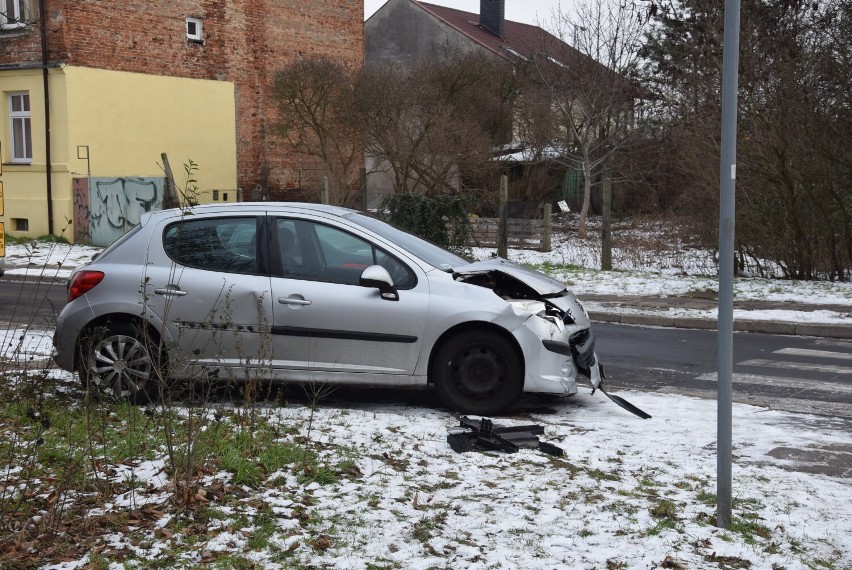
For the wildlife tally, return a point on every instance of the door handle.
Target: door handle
(292, 301)
(171, 290)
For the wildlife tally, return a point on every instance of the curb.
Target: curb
(840, 331)
(19, 278)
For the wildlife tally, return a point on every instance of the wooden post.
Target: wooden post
(364, 203)
(546, 238)
(503, 223)
(170, 199)
(324, 195)
(606, 233)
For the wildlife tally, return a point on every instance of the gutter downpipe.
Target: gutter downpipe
(48, 169)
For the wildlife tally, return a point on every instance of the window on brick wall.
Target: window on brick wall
(12, 14)
(194, 32)
(19, 120)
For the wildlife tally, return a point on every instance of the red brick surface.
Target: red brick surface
(245, 41)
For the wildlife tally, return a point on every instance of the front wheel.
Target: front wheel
(478, 372)
(120, 361)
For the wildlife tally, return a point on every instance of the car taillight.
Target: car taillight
(83, 282)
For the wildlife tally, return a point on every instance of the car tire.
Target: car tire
(478, 372)
(120, 362)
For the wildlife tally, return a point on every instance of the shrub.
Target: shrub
(442, 219)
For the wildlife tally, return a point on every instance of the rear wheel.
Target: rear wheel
(120, 361)
(478, 372)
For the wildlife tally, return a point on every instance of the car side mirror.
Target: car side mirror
(378, 277)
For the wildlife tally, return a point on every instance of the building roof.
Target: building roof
(519, 40)
(524, 41)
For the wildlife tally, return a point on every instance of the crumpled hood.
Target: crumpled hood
(539, 282)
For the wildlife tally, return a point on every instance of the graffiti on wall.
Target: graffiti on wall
(117, 204)
(80, 193)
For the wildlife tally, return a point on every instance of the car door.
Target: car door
(328, 327)
(207, 280)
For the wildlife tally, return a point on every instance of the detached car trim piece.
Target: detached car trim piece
(306, 293)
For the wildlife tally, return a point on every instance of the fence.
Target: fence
(521, 234)
(504, 232)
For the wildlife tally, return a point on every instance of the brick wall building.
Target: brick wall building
(242, 41)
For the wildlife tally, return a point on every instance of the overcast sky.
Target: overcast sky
(526, 11)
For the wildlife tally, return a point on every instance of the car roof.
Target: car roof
(238, 207)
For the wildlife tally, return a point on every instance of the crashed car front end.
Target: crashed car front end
(559, 348)
(555, 333)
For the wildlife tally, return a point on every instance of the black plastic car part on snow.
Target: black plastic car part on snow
(619, 400)
(486, 435)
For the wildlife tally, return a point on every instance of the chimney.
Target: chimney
(492, 15)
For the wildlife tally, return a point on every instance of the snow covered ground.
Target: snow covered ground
(628, 493)
(40, 259)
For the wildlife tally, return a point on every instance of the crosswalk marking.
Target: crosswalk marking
(780, 382)
(831, 398)
(815, 353)
(834, 342)
(828, 368)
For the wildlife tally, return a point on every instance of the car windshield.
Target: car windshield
(428, 252)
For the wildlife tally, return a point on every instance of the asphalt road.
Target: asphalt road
(35, 303)
(799, 374)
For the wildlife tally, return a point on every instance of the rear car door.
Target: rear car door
(207, 279)
(328, 327)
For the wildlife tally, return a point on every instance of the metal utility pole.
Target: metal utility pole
(48, 167)
(727, 185)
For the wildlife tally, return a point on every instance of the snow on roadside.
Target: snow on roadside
(41, 259)
(420, 505)
(692, 274)
(628, 493)
(25, 342)
(658, 280)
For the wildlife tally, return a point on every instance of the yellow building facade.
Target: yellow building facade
(108, 130)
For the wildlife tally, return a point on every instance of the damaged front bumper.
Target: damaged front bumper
(555, 333)
(587, 363)
(557, 356)
(559, 342)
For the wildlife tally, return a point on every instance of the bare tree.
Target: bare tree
(794, 160)
(589, 96)
(316, 103)
(430, 125)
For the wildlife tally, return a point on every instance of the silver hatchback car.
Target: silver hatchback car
(311, 293)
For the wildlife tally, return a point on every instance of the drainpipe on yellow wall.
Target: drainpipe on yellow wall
(48, 169)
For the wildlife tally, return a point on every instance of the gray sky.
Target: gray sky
(527, 11)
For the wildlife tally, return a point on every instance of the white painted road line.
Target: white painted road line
(833, 342)
(781, 382)
(827, 368)
(815, 353)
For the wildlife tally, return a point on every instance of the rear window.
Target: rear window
(117, 243)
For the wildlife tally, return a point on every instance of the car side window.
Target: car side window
(324, 253)
(290, 250)
(216, 244)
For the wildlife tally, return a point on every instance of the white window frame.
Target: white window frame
(19, 155)
(198, 36)
(17, 19)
